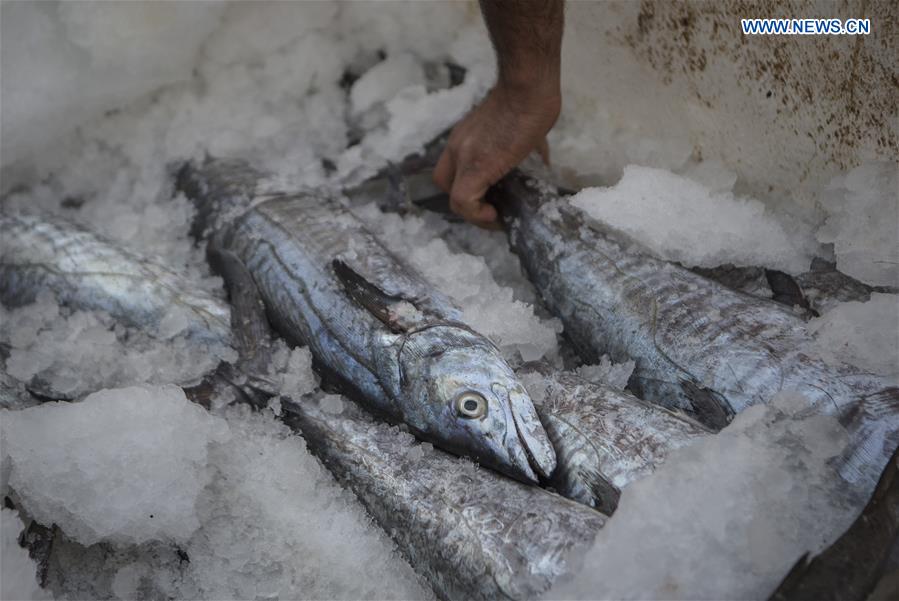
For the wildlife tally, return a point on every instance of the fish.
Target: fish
(88, 271)
(698, 346)
(471, 533)
(606, 438)
(850, 568)
(374, 326)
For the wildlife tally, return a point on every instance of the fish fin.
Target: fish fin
(398, 313)
(252, 332)
(252, 336)
(710, 408)
(43, 390)
(605, 494)
(792, 580)
(852, 566)
(397, 195)
(786, 291)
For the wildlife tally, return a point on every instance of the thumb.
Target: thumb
(443, 172)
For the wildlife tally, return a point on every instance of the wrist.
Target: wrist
(545, 81)
(531, 94)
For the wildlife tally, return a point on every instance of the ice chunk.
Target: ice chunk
(682, 220)
(128, 579)
(864, 334)
(124, 465)
(742, 505)
(862, 215)
(173, 323)
(535, 383)
(67, 355)
(382, 82)
(18, 578)
(605, 372)
(415, 117)
(332, 403)
(292, 370)
(415, 452)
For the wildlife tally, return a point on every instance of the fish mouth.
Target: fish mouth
(533, 454)
(537, 467)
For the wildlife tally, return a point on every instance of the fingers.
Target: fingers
(445, 170)
(466, 187)
(467, 196)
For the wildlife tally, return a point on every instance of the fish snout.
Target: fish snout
(530, 448)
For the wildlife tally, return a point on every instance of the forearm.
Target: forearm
(527, 36)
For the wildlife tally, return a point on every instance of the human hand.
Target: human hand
(491, 141)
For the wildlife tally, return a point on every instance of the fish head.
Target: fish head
(464, 397)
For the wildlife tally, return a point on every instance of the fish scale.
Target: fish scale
(608, 436)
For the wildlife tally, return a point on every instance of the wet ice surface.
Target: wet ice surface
(261, 518)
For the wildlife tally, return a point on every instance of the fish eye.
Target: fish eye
(471, 405)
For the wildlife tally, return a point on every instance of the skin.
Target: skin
(517, 113)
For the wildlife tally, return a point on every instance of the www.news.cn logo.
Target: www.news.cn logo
(806, 26)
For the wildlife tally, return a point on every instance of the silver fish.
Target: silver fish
(372, 323)
(606, 438)
(698, 345)
(472, 534)
(85, 270)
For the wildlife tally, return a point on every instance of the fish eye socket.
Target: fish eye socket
(471, 405)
